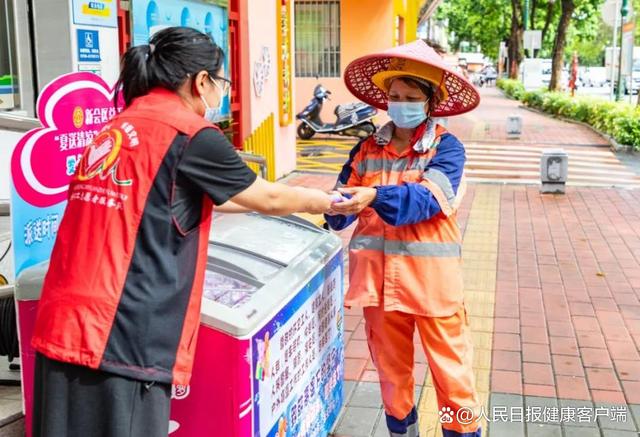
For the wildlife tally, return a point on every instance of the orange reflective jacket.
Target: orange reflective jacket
(414, 268)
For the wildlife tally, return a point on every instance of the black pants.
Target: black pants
(75, 401)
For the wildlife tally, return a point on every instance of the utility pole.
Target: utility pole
(623, 14)
(525, 19)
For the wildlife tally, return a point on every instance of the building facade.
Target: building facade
(329, 34)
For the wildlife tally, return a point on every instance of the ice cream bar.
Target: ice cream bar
(336, 198)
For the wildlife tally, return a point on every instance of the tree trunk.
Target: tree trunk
(515, 40)
(549, 17)
(534, 7)
(558, 47)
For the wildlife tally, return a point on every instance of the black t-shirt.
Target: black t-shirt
(209, 165)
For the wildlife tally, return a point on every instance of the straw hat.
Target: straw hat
(369, 77)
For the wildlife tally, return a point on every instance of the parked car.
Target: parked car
(634, 87)
(546, 76)
(595, 77)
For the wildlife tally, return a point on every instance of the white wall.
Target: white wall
(262, 34)
(8, 141)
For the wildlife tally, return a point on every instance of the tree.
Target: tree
(590, 47)
(548, 18)
(485, 23)
(515, 39)
(568, 6)
(482, 23)
(587, 24)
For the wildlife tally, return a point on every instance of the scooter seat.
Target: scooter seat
(342, 110)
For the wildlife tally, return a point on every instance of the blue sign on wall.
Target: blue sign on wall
(151, 16)
(88, 46)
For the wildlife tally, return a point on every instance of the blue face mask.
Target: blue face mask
(407, 115)
(212, 114)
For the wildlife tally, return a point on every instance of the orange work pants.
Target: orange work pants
(449, 350)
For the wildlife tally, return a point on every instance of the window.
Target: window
(8, 67)
(317, 35)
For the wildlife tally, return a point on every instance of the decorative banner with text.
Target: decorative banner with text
(72, 110)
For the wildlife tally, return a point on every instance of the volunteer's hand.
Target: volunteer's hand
(361, 197)
(318, 202)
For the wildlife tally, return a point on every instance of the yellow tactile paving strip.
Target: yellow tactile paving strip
(480, 255)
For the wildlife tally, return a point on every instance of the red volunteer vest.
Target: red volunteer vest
(124, 285)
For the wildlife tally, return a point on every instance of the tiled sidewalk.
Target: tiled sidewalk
(553, 290)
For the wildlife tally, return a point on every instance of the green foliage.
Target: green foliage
(512, 88)
(482, 23)
(485, 23)
(620, 120)
(590, 47)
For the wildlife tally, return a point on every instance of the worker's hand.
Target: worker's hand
(336, 197)
(361, 198)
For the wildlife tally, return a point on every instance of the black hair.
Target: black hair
(426, 89)
(172, 56)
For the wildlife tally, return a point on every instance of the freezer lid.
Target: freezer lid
(248, 264)
(278, 239)
(246, 306)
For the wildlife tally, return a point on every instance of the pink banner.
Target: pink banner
(72, 110)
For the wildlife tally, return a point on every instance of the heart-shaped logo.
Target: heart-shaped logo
(72, 109)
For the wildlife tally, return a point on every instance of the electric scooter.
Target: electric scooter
(352, 119)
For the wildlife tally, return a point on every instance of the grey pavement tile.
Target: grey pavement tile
(541, 416)
(622, 421)
(10, 410)
(358, 421)
(618, 433)
(347, 390)
(505, 400)
(574, 431)
(543, 430)
(381, 427)
(506, 429)
(576, 406)
(635, 412)
(13, 429)
(366, 394)
(538, 401)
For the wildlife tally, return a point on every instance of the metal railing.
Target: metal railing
(258, 160)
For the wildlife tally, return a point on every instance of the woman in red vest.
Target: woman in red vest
(405, 184)
(120, 305)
